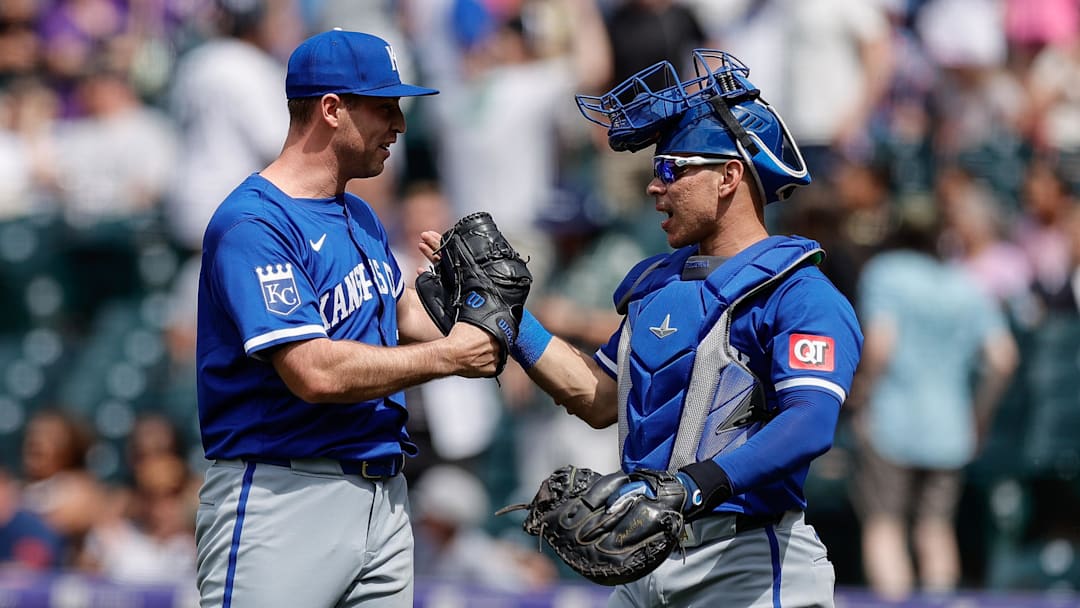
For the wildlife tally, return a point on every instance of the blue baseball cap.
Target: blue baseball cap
(350, 63)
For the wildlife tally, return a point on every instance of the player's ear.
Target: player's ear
(731, 173)
(329, 107)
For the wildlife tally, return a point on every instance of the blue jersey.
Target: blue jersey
(764, 322)
(274, 270)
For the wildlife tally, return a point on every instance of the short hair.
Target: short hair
(301, 109)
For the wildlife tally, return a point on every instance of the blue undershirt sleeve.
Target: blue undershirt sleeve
(803, 430)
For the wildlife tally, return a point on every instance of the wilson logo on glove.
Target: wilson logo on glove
(474, 300)
(510, 332)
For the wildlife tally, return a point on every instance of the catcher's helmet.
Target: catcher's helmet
(719, 112)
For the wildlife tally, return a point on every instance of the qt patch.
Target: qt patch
(807, 351)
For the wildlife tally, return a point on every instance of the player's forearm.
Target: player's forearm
(803, 430)
(414, 324)
(341, 371)
(576, 382)
(569, 376)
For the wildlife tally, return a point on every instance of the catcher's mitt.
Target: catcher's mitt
(610, 539)
(480, 279)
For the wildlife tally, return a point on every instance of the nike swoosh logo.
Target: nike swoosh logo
(317, 245)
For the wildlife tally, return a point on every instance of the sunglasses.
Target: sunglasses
(668, 168)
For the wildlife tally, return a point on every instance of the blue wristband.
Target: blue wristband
(532, 339)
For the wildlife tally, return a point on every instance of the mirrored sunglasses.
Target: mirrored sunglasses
(668, 168)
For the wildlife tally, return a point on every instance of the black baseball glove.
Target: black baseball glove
(600, 529)
(480, 279)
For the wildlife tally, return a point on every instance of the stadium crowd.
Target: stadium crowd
(123, 123)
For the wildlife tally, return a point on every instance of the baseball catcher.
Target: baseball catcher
(479, 279)
(612, 529)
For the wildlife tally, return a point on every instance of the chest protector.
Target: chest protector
(684, 395)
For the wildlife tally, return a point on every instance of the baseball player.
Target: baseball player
(301, 310)
(734, 354)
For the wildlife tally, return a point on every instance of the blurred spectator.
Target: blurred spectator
(979, 43)
(26, 541)
(451, 419)
(754, 31)
(450, 507)
(1040, 230)
(114, 161)
(975, 236)
(979, 107)
(76, 35)
(1066, 298)
(58, 485)
(153, 434)
(633, 26)
(498, 119)
(592, 252)
(642, 33)
(837, 65)
(867, 216)
(902, 121)
(228, 100)
(1053, 89)
(16, 178)
(27, 110)
(150, 536)
(927, 329)
(826, 64)
(20, 46)
(1032, 26)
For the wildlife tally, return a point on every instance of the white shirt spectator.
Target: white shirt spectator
(229, 100)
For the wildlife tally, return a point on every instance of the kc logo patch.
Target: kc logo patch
(811, 352)
(278, 288)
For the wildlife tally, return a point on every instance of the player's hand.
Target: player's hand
(475, 351)
(648, 487)
(429, 245)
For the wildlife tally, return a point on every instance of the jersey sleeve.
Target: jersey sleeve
(607, 356)
(816, 340)
(258, 280)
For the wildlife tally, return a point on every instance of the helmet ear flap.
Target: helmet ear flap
(780, 168)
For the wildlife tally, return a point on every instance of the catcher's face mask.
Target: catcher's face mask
(717, 113)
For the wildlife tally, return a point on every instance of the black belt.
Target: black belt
(374, 468)
(745, 523)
